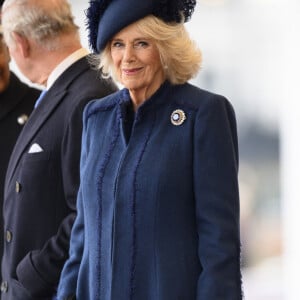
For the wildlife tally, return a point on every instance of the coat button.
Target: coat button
(22, 119)
(4, 286)
(8, 236)
(18, 187)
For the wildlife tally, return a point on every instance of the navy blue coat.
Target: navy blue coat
(158, 204)
(16, 104)
(41, 186)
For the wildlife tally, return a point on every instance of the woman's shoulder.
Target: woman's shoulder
(196, 97)
(201, 101)
(107, 103)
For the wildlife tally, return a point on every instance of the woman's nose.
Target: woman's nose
(128, 53)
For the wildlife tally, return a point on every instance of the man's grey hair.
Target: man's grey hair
(43, 21)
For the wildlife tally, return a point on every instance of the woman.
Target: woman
(158, 206)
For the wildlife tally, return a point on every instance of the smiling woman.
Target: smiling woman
(137, 64)
(169, 228)
(251, 62)
(160, 56)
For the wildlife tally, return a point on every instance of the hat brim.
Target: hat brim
(116, 18)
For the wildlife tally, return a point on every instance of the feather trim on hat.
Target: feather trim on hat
(94, 14)
(175, 10)
(168, 10)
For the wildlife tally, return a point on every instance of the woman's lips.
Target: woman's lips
(131, 71)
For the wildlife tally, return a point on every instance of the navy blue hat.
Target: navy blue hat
(105, 18)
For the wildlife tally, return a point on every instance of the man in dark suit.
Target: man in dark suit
(16, 103)
(43, 174)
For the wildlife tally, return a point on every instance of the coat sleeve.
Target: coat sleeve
(40, 269)
(217, 201)
(68, 279)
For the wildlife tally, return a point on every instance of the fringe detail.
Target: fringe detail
(133, 213)
(93, 15)
(116, 134)
(175, 10)
(167, 10)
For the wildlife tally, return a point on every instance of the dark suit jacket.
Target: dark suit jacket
(16, 104)
(41, 187)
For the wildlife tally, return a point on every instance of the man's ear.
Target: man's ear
(7, 54)
(22, 44)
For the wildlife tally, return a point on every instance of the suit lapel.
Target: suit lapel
(35, 122)
(51, 100)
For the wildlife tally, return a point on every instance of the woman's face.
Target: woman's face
(137, 62)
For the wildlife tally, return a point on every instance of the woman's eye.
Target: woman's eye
(141, 44)
(116, 44)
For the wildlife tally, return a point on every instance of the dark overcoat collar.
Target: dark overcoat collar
(53, 98)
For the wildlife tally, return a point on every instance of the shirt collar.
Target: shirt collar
(65, 64)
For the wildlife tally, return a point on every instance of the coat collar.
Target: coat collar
(53, 98)
(157, 99)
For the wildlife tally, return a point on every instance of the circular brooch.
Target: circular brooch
(178, 117)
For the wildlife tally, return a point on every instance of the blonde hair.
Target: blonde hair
(180, 56)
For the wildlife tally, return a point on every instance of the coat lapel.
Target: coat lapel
(35, 122)
(51, 100)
